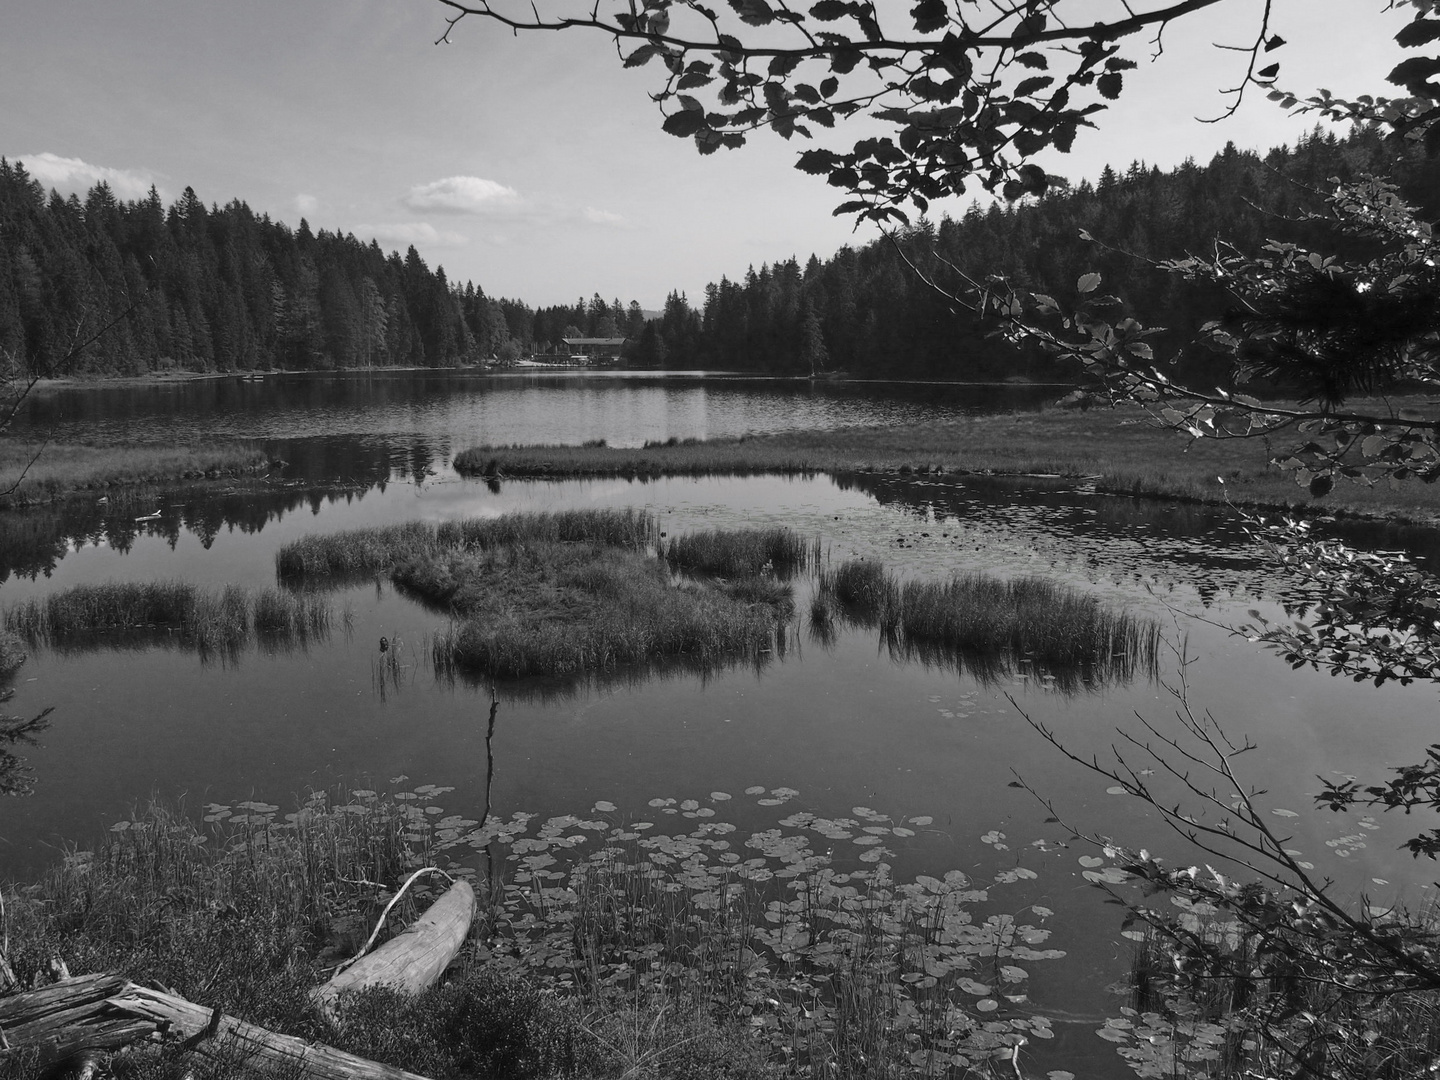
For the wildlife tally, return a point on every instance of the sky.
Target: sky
(535, 166)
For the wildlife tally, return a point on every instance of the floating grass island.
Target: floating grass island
(569, 593)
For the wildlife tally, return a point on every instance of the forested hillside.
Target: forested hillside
(225, 289)
(865, 311)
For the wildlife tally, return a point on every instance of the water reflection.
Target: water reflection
(465, 409)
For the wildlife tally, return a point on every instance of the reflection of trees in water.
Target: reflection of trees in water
(34, 541)
(317, 472)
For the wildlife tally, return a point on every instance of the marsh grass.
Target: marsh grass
(566, 609)
(993, 628)
(603, 947)
(741, 553)
(205, 619)
(366, 552)
(571, 593)
(1114, 450)
(12, 655)
(59, 470)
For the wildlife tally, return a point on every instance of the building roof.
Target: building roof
(599, 341)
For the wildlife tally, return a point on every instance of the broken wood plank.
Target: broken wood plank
(414, 959)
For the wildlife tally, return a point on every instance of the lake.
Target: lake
(833, 726)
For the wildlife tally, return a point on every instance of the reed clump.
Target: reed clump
(564, 609)
(563, 593)
(12, 654)
(204, 619)
(379, 550)
(739, 553)
(990, 625)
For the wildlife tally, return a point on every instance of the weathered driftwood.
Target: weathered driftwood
(105, 1012)
(230, 1040)
(415, 958)
(57, 1021)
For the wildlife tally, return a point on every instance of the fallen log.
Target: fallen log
(414, 959)
(227, 1040)
(58, 1021)
(107, 1012)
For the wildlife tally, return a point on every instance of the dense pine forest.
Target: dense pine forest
(865, 312)
(224, 289)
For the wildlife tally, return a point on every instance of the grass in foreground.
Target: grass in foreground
(603, 947)
(62, 469)
(205, 619)
(1116, 449)
(989, 626)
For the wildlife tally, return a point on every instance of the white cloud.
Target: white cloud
(406, 233)
(71, 174)
(463, 195)
(306, 205)
(602, 217)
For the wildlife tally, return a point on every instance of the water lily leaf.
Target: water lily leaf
(1284, 813)
(1091, 860)
(986, 1005)
(604, 807)
(757, 790)
(719, 796)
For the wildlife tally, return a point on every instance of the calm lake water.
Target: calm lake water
(845, 724)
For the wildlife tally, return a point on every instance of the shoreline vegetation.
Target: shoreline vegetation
(603, 946)
(1116, 451)
(52, 472)
(1112, 451)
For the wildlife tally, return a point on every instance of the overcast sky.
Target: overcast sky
(534, 166)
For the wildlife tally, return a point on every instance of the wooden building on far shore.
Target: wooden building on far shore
(593, 350)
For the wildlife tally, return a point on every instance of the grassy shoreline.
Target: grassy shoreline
(1116, 451)
(61, 470)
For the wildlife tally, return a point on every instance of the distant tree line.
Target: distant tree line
(867, 312)
(215, 288)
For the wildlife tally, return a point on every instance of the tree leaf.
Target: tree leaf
(1087, 283)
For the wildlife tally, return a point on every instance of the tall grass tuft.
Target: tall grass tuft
(992, 626)
(863, 588)
(742, 552)
(204, 619)
(624, 527)
(564, 609)
(12, 654)
(379, 550)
